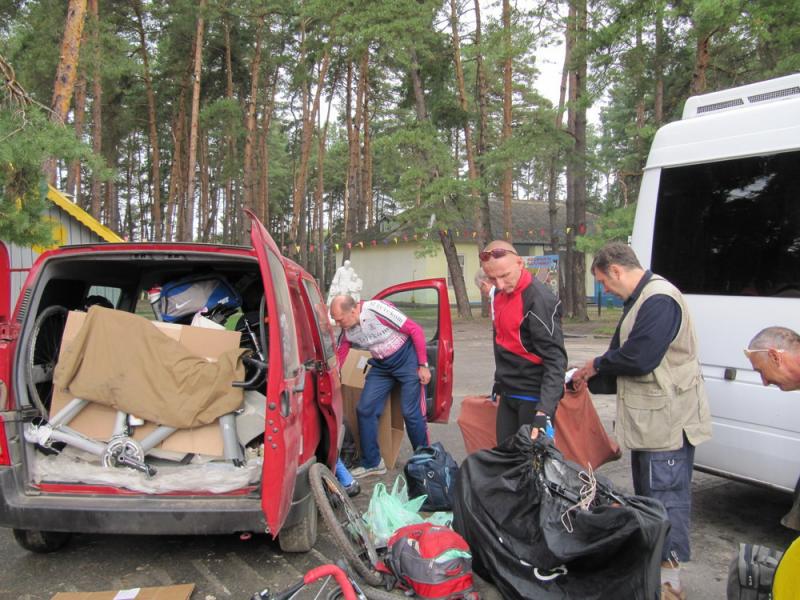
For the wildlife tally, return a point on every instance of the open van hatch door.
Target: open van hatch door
(426, 302)
(283, 428)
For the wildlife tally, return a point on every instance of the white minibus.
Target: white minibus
(719, 216)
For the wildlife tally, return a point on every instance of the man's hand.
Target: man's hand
(539, 422)
(424, 375)
(586, 372)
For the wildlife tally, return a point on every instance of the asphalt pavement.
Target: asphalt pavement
(222, 567)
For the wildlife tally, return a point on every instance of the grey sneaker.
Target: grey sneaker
(360, 472)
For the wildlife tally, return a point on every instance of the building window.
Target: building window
(461, 264)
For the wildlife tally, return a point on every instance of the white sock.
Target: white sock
(672, 577)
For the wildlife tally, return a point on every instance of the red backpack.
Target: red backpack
(431, 560)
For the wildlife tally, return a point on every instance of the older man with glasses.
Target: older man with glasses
(775, 354)
(529, 353)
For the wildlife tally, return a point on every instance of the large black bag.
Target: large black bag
(752, 572)
(432, 471)
(516, 507)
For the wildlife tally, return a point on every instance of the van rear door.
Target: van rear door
(426, 302)
(283, 427)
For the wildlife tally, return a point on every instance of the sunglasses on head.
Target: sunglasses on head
(750, 351)
(495, 253)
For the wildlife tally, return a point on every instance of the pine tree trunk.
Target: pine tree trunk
(188, 216)
(578, 271)
(552, 183)
(74, 172)
(250, 176)
(263, 189)
(361, 105)
(205, 206)
(309, 119)
(702, 59)
(483, 221)
(508, 173)
(152, 123)
(227, 225)
(176, 178)
(366, 160)
(658, 66)
(347, 205)
(97, 109)
(66, 71)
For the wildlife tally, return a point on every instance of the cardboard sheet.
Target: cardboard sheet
(164, 592)
(391, 427)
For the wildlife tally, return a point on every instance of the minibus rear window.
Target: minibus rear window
(731, 228)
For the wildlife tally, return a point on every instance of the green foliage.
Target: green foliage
(27, 139)
(616, 225)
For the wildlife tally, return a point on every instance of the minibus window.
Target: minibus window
(730, 228)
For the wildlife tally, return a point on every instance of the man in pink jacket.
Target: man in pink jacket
(397, 345)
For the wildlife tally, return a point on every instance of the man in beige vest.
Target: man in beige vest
(662, 409)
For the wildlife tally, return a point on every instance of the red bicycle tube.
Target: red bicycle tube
(338, 574)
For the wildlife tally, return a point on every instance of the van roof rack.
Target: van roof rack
(780, 88)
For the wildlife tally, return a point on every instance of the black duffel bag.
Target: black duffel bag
(432, 471)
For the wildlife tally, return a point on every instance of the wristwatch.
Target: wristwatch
(424, 365)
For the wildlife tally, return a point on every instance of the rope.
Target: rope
(586, 494)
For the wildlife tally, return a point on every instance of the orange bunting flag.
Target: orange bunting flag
(395, 240)
(336, 247)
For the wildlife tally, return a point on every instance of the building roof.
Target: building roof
(530, 224)
(76, 212)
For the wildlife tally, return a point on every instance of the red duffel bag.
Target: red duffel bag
(580, 435)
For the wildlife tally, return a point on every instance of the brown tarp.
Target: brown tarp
(121, 360)
(580, 434)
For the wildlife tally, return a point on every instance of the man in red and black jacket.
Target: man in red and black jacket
(529, 353)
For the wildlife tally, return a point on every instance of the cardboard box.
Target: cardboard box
(97, 420)
(165, 592)
(391, 427)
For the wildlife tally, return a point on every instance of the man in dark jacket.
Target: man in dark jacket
(529, 353)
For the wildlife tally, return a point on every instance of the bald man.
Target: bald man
(529, 353)
(397, 346)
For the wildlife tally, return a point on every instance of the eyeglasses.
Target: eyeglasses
(749, 351)
(494, 253)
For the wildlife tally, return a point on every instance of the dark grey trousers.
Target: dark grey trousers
(667, 476)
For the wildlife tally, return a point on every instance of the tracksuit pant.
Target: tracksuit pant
(401, 367)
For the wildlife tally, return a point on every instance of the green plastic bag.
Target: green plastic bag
(389, 511)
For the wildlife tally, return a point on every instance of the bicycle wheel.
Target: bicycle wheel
(345, 522)
(42, 354)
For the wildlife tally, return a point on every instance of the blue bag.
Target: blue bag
(432, 471)
(187, 296)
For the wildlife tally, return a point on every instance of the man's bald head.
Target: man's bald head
(500, 244)
(345, 311)
(503, 271)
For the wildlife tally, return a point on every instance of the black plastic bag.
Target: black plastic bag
(516, 507)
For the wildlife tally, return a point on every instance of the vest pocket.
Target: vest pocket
(646, 417)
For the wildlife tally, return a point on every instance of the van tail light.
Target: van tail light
(5, 458)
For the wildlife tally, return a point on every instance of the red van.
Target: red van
(56, 479)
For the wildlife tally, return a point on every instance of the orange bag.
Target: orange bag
(580, 435)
